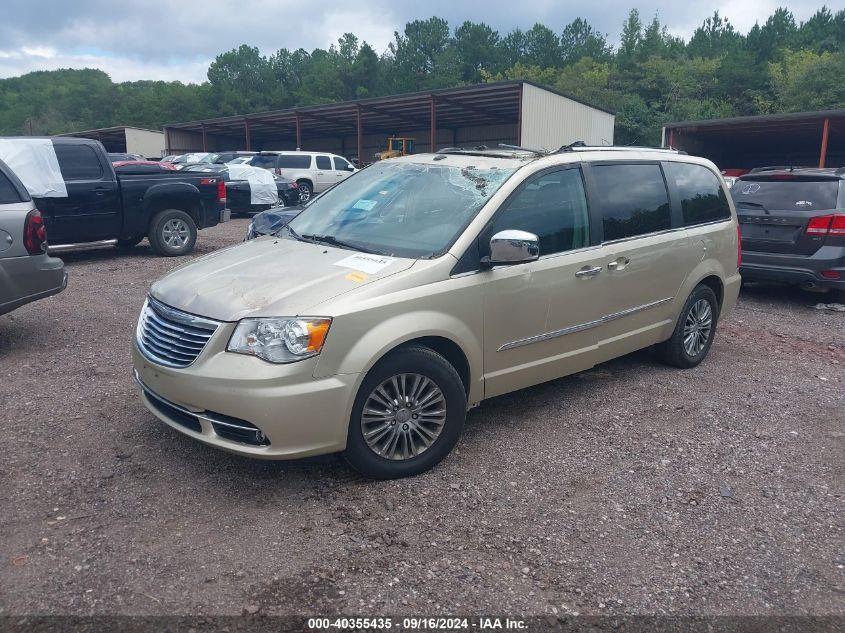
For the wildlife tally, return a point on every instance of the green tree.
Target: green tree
(805, 80)
(579, 40)
(477, 49)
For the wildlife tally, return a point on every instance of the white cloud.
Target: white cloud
(145, 40)
(24, 60)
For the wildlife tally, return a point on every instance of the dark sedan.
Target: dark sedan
(239, 193)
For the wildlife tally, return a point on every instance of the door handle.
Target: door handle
(618, 263)
(588, 272)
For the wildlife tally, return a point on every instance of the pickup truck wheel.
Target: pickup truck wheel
(407, 416)
(172, 233)
(129, 242)
(305, 190)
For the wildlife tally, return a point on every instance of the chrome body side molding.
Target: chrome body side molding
(582, 326)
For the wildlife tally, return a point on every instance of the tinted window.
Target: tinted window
(553, 207)
(702, 196)
(265, 162)
(788, 194)
(78, 162)
(633, 200)
(8, 192)
(324, 162)
(340, 164)
(295, 161)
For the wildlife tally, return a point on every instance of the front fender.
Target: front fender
(354, 347)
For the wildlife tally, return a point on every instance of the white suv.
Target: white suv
(314, 172)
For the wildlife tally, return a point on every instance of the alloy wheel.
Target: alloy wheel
(403, 416)
(697, 327)
(175, 233)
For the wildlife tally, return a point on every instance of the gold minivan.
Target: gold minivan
(420, 286)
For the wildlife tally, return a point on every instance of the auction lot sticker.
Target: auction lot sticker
(365, 262)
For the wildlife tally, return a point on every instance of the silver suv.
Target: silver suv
(425, 284)
(314, 172)
(27, 273)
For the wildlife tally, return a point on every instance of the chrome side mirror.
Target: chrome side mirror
(513, 247)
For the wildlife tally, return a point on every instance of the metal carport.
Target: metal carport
(801, 139)
(469, 115)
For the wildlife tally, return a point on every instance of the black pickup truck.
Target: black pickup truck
(166, 207)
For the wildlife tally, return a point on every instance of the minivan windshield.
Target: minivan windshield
(399, 208)
(794, 194)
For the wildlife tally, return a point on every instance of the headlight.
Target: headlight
(282, 340)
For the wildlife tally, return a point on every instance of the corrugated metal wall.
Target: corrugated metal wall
(550, 120)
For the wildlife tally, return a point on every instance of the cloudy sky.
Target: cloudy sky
(173, 39)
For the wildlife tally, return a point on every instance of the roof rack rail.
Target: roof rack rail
(582, 146)
(538, 152)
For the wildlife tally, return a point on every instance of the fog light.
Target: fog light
(830, 274)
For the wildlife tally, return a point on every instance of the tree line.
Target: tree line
(648, 79)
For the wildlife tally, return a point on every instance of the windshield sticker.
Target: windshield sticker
(356, 276)
(751, 188)
(365, 205)
(366, 262)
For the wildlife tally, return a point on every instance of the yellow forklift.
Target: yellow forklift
(396, 146)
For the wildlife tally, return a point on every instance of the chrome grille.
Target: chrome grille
(171, 337)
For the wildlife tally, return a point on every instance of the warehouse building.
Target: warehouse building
(800, 139)
(512, 112)
(127, 140)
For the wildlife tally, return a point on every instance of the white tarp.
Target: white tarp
(262, 185)
(35, 163)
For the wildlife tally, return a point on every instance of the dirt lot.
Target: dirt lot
(631, 488)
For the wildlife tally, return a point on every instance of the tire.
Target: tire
(415, 364)
(306, 190)
(172, 233)
(679, 352)
(129, 243)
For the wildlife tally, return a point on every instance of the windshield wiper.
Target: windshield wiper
(331, 240)
(753, 204)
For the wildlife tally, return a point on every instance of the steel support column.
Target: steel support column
(671, 138)
(519, 121)
(298, 132)
(167, 151)
(825, 133)
(247, 135)
(204, 138)
(433, 124)
(360, 124)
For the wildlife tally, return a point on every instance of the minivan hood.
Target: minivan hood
(270, 276)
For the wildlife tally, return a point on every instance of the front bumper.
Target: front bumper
(796, 269)
(297, 414)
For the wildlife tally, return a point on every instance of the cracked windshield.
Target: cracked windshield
(400, 209)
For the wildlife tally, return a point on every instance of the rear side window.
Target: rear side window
(702, 197)
(786, 192)
(78, 162)
(633, 200)
(324, 162)
(8, 192)
(295, 161)
(553, 207)
(340, 164)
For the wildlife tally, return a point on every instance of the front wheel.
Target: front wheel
(172, 233)
(694, 331)
(408, 415)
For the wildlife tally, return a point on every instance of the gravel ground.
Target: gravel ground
(631, 488)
